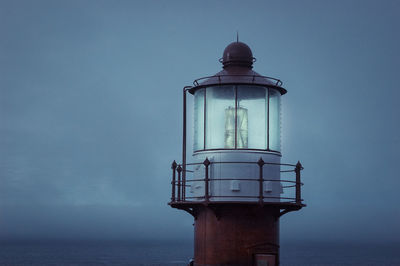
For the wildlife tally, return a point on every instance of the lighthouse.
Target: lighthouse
(234, 183)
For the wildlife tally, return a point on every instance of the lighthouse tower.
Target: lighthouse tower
(235, 185)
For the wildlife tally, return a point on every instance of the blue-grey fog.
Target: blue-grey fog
(90, 111)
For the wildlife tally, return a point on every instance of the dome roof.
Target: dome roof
(238, 63)
(237, 54)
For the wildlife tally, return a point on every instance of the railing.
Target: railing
(180, 182)
(253, 78)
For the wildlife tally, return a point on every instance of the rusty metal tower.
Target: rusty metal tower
(235, 186)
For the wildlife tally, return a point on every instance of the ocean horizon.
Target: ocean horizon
(178, 252)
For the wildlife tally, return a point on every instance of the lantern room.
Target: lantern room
(236, 118)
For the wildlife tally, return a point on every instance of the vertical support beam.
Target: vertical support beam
(184, 144)
(236, 116)
(173, 167)
(206, 179)
(179, 169)
(205, 118)
(268, 120)
(298, 182)
(260, 181)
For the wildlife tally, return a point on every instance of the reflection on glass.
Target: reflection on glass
(230, 128)
(251, 101)
(198, 142)
(274, 120)
(218, 99)
(242, 128)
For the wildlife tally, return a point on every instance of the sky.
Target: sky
(90, 112)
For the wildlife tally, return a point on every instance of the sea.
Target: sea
(118, 253)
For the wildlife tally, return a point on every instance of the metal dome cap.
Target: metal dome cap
(237, 69)
(237, 54)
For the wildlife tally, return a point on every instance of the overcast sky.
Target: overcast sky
(90, 111)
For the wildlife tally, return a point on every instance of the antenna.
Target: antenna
(237, 36)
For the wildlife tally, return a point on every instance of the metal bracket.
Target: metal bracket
(216, 210)
(284, 212)
(191, 211)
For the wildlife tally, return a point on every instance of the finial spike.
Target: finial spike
(237, 36)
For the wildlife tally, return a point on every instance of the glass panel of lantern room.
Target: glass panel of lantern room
(274, 120)
(220, 117)
(251, 117)
(198, 141)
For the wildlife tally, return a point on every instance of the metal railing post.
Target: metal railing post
(206, 179)
(179, 169)
(260, 180)
(173, 167)
(298, 182)
(183, 183)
